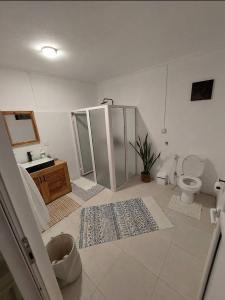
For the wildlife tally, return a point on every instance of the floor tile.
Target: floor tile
(180, 219)
(163, 196)
(97, 295)
(189, 235)
(98, 260)
(164, 292)
(128, 280)
(129, 268)
(203, 224)
(182, 272)
(150, 249)
(194, 241)
(70, 224)
(82, 289)
(101, 198)
(206, 200)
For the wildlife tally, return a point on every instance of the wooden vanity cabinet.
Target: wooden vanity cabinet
(53, 181)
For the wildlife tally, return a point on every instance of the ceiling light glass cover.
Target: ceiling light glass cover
(49, 52)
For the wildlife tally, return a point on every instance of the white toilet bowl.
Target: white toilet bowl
(189, 186)
(189, 182)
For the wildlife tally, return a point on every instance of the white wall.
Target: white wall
(193, 127)
(51, 98)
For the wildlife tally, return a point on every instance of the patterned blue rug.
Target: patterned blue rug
(114, 221)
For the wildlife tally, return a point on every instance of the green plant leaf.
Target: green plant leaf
(135, 149)
(144, 150)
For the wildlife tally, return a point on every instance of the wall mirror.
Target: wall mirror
(21, 127)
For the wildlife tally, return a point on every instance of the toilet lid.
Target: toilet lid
(192, 166)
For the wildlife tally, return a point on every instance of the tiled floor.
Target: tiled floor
(163, 265)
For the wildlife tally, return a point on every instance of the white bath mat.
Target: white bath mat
(86, 194)
(84, 183)
(157, 213)
(192, 210)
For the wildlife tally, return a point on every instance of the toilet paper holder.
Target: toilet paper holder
(219, 187)
(221, 180)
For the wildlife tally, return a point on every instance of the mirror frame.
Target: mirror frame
(31, 113)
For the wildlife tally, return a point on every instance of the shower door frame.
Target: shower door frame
(124, 107)
(77, 142)
(109, 139)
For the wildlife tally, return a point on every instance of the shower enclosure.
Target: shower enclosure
(103, 135)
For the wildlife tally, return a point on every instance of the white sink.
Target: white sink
(36, 162)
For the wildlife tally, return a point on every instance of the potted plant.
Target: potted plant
(148, 157)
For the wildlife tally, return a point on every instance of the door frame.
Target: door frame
(111, 147)
(77, 142)
(13, 253)
(91, 145)
(81, 168)
(19, 215)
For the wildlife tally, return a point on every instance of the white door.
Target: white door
(21, 220)
(216, 215)
(216, 283)
(15, 283)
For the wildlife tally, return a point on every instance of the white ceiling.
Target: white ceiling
(99, 40)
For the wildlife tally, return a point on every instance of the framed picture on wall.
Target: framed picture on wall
(202, 90)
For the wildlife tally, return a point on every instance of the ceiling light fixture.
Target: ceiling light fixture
(49, 52)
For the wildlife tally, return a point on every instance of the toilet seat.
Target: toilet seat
(190, 183)
(193, 166)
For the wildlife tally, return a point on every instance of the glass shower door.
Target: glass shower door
(84, 143)
(130, 138)
(118, 133)
(100, 149)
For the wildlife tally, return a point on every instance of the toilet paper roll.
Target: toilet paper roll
(218, 186)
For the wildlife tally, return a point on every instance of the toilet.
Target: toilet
(189, 182)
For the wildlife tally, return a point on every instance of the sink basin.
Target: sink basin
(38, 164)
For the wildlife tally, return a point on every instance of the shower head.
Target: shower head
(106, 101)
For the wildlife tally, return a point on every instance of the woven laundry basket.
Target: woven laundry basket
(65, 258)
